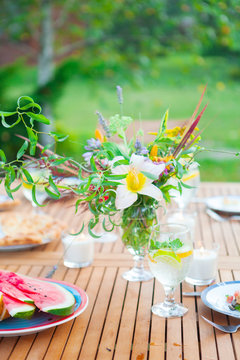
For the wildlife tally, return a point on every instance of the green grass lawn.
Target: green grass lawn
(175, 82)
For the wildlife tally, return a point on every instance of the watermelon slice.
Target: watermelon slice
(9, 289)
(17, 308)
(4, 314)
(47, 296)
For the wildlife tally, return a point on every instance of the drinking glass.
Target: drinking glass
(135, 236)
(192, 178)
(40, 176)
(184, 217)
(169, 256)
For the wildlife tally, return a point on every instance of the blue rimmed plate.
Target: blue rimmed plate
(214, 297)
(42, 321)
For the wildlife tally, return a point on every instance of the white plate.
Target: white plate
(227, 204)
(214, 297)
(42, 321)
(23, 246)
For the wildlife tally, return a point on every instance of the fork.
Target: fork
(220, 218)
(225, 328)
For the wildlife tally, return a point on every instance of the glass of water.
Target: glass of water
(39, 176)
(192, 179)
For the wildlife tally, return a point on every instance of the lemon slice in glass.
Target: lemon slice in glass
(168, 257)
(191, 176)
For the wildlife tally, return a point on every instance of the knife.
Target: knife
(193, 293)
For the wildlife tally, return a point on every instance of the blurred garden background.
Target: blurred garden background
(70, 55)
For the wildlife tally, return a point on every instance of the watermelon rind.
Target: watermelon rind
(17, 308)
(22, 312)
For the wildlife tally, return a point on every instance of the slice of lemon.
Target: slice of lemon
(168, 257)
(27, 186)
(151, 259)
(189, 177)
(185, 254)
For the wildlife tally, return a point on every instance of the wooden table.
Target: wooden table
(118, 323)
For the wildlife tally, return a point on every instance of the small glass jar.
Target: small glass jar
(78, 250)
(203, 269)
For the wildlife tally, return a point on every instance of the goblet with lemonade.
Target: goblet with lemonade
(169, 256)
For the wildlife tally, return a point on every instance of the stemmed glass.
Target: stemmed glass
(192, 178)
(135, 236)
(170, 252)
(38, 175)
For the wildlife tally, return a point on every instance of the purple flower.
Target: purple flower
(104, 124)
(119, 94)
(140, 150)
(91, 147)
(93, 144)
(87, 156)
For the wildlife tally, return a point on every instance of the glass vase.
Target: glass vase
(136, 226)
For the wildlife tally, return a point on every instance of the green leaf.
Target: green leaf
(3, 156)
(52, 194)
(88, 198)
(31, 105)
(111, 183)
(60, 161)
(121, 162)
(11, 174)
(46, 147)
(7, 113)
(6, 125)
(92, 208)
(180, 188)
(187, 186)
(113, 150)
(115, 177)
(22, 149)
(7, 187)
(176, 244)
(104, 226)
(27, 176)
(33, 140)
(90, 227)
(53, 185)
(180, 169)
(149, 175)
(16, 188)
(58, 137)
(24, 98)
(163, 125)
(34, 196)
(92, 164)
(38, 117)
(79, 232)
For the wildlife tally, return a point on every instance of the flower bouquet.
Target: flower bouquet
(128, 177)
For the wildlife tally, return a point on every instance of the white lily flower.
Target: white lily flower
(136, 182)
